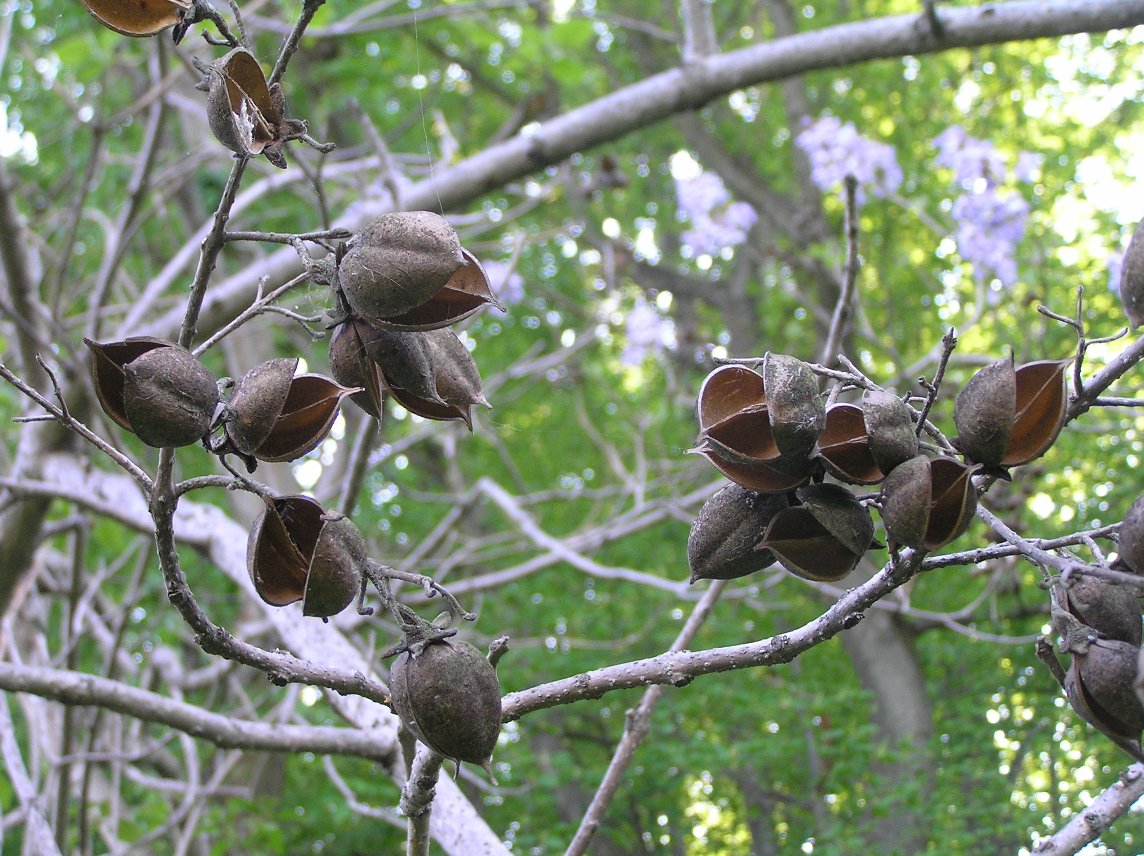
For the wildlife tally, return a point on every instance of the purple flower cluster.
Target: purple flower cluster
(990, 221)
(717, 223)
(836, 150)
(647, 332)
(989, 227)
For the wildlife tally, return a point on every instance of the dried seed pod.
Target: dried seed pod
(721, 544)
(1100, 688)
(794, 407)
(1130, 538)
(466, 292)
(889, 428)
(451, 384)
(246, 114)
(399, 261)
(138, 18)
(1008, 416)
(736, 432)
(1111, 610)
(155, 389)
(274, 416)
(1132, 277)
(404, 359)
(840, 512)
(170, 397)
(352, 366)
(107, 362)
(448, 696)
(927, 502)
(822, 539)
(297, 551)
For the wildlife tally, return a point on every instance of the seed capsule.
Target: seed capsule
(824, 537)
(890, 429)
(274, 416)
(721, 545)
(157, 390)
(138, 18)
(1132, 277)
(448, 696)
(1008, 416)
(1111, 610)
(759, 432)
(1130, 538)
(1099, 686)
(247, 115)
(927, 502)
(399, 261)
(296, 551)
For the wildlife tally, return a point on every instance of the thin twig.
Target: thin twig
(637, 727)
(844, 308)
(948, 343)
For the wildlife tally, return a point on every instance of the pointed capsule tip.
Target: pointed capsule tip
(487, 766)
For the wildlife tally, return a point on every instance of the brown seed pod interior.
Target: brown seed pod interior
(306, 418)
(1040, 410)
(280, 546)
(137, 18)
(466, 292)
(845, 446)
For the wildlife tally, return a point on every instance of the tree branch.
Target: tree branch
(660, 96)
(78, 688)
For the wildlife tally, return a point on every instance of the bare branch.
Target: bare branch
(78, 688)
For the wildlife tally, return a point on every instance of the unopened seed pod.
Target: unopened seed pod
(721, 544)
(398, 262)
(448, 696)
(299, 552)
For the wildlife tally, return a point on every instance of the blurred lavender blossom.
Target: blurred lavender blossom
(989, 227)
(1115, 262)
(990, 223)
(717, 223)
(836, 150)
(647, 332)
(506, 283)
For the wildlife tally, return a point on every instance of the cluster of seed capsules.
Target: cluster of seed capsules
(396, 285)
(1103, 681)
(770, 432)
